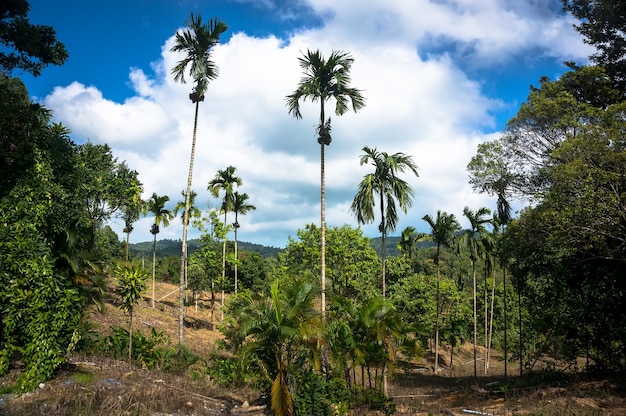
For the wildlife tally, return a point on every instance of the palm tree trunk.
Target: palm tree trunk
(183, 260)
(236, 259)
(475, 327)
(485, 301)
(437, 319)
(383, 232)
(223, 272)
(323, 228)
(493, 300)
(506, 324)
(153, 267)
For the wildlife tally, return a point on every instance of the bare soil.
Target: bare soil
(97, 386)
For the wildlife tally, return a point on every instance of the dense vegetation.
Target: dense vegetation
(549, 282)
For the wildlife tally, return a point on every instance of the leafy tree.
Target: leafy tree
(443, 231)
(385, 183)
(194, 212)
(323, 80)
(603, 26)
(130, 286)
(351, 261)
(197, 43)
(26, 46)
(162, 215)
(131, 212)
(240, 206)
(473, 236)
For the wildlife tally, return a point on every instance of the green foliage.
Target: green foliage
(26, 46)
(351, 262)
(148, 352)
(315, 395)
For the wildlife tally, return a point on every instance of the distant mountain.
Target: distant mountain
(166, 247)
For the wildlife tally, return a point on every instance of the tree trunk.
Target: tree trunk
(323, 228)
(236, 259)
(130, 340)
(493, 300)
(505, 322)
(486, 335)
(437, 316)
(183, 260)
(223, 272)
(127, 243)
(153, 267)
(475, 326)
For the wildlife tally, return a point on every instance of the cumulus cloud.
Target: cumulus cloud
(411, 61)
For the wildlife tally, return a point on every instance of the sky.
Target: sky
(439, 78)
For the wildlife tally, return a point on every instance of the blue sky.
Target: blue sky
(439, 76)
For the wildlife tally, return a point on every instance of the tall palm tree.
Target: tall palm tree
(472, 236)
(225, 180)
(196, 42)
(162, 215)
(240, 206)
(322, 80)
(443, 231)
(385, 182)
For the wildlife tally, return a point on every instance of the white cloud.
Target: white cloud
(427, 107)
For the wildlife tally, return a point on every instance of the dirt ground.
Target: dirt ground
(98, 386)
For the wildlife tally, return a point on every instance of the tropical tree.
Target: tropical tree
(280, 331)
(240, 206)
(472, 236)
(131, 211)
(225, 180)
(130, 286)
(196, 42)
(389, 187)
(443, 231)
(322, 80)
(162, 215)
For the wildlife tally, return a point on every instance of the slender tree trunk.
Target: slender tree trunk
(475, 326)
(493, 300)
(153, 267)
(223, 271)
(127, 243)
(183, 260)
(486, 335)
(383, 232)
(437, 316)
(323, 227)
(521, 339)
(236, 259)
(505, 323)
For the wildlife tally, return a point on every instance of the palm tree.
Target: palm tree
(323, 80)
(225, 180)
(443, 231)
(197, 43)
(276, 330)
(193, 212)
(472, 237)
(240, 206)
(131, 212)
(385, 182)
(156, 206)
